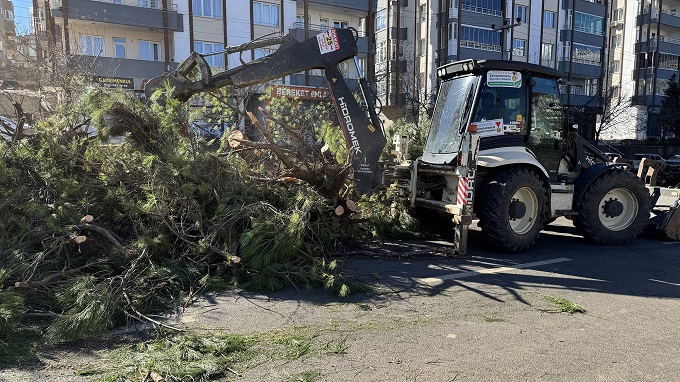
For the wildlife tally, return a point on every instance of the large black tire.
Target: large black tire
(614, 209)
(512, 209)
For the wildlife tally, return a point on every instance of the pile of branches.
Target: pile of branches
(95, 234)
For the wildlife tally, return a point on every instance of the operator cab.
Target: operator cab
(507, 103)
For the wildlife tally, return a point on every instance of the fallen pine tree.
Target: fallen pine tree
(95, 234)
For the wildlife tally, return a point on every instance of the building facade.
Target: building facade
(7, 30)
(654, 58)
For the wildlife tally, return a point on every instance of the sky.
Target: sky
(22, 17)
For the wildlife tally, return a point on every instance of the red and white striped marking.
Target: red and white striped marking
(462, 191)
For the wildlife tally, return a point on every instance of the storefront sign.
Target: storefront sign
(115, 82)
(300, 92)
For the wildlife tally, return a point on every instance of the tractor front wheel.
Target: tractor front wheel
(614, 209)
(512, 209)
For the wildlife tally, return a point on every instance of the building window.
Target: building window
(586, 54)
(616, 40)
(549, 19)
(450, 36)
(324, 24)
(487, 7)
(340, 24)
(668, 61)
(568, 18)
(119, 47)
(566, 50)
(587, 23)
(155, 4)
(149, 50)
(521, 13)
(421, 13)
(518, 47)
(617, 14)
(9, 15)
(381, 20)
(395, 50)
(381, 52)
(217, 60)
(91, 45)
(207, 8)
(265, 14)
(615, 92)
(480, 38)
(661, 86)
(576, 90)
(616, 66)
(421, 47)
(547, 54)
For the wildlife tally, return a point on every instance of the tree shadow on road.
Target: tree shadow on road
(560, 260)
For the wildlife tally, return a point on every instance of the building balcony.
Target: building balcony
(332, 5)
(660, 73)
(582, 37)
(665, 44)
(582, 100)
(140, 13)
(120, 67)
(646, 100)
(298, 31)
(581, 69)
(594, 7)
(665, 17)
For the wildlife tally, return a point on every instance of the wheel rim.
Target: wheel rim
(618, 209)
(524, 223)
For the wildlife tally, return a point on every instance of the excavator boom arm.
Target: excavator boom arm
(363, 134)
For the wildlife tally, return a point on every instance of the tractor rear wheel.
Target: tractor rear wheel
(512, 209)
(614, 209)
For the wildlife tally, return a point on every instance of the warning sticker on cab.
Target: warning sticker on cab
(328, 41)
(489, 128)
(503, 79)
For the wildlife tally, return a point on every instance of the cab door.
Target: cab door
(545, 126)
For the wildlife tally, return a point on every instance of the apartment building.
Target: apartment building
(396, 66)
(652, 29)
(7, 29)
(122, 43)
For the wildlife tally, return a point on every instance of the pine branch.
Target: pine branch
(102, 231)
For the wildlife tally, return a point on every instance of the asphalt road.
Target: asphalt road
(485, 317)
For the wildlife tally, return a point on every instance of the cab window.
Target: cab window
(546, 121)
(503, 103)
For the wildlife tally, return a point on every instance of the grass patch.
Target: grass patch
(492, 318)
(295, 344)
(305, 376)
(337, 346)
(565, 305)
